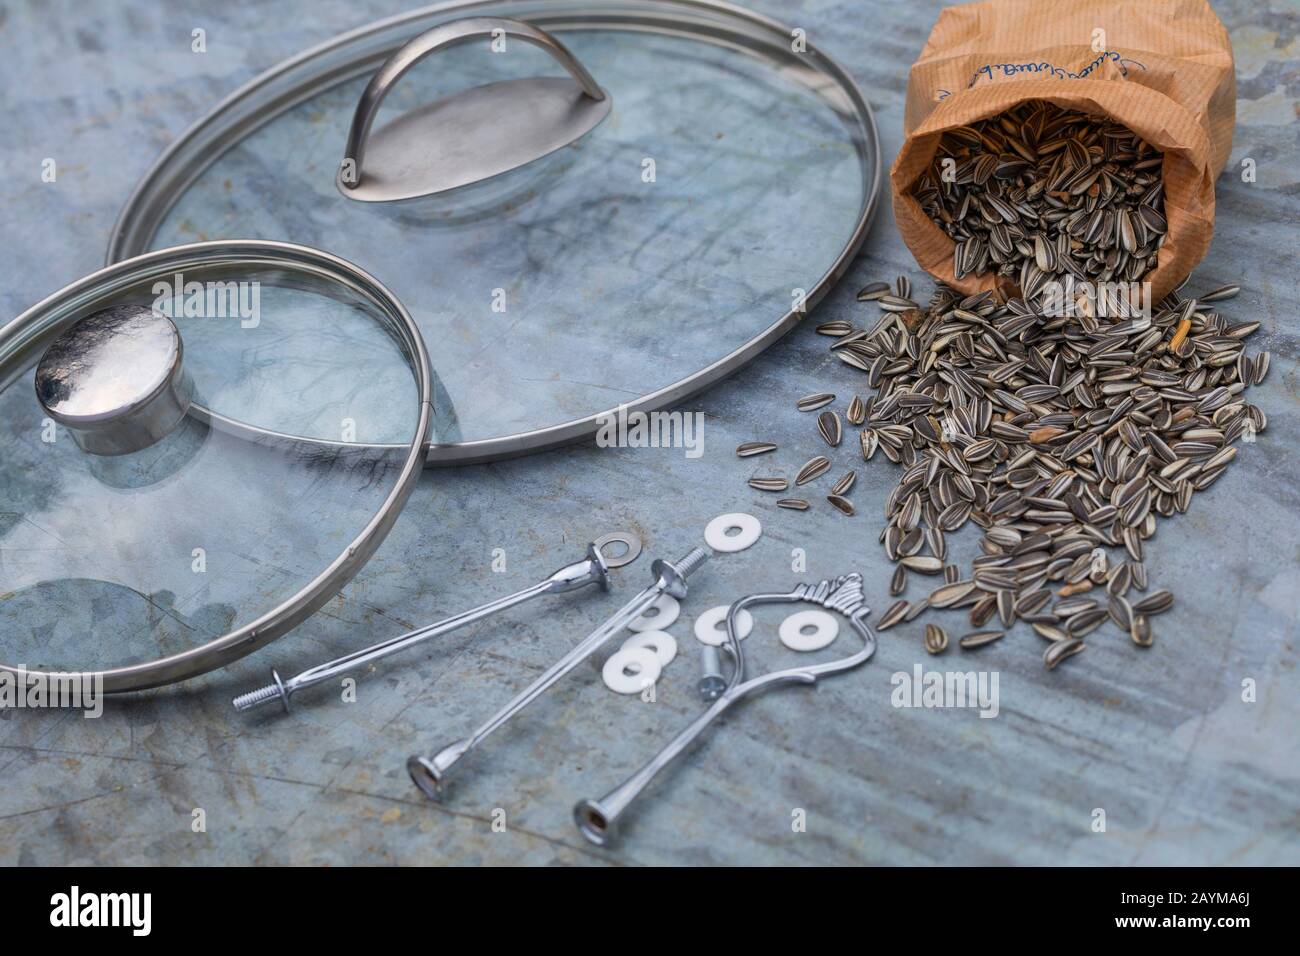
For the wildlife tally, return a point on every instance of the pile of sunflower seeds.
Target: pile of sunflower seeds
(1062, 438)
(1040, 192)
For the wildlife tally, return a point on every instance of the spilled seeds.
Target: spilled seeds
(1065, 439)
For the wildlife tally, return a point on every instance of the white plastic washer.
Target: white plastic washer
(711, 626)
(667, 608)
(661, 642)
(631, 670)
(716, 537)
(793, 637)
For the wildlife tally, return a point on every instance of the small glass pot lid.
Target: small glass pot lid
(199, 447)
(719, 174)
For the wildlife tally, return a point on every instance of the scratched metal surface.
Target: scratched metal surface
(1161, 740)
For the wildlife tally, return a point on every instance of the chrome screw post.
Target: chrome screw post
(712, 683)
(594, 569)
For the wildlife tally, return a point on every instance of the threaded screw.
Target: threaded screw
(691, 562)
(255, 698)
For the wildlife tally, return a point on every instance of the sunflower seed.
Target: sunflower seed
(1030, 602)
(1058, 651)
(1069, 608)
(815, 468)
(1140, 631)
(1050, 631)
(1218, 295)
(938, 545)
(842, 504)
(949, 595)
(898, 583)
(810, 403)
(1120, 612)
(1003, 537)
(1154, 603)
(895, 303)
(857, 411)
(751, 448)
(769, 484)
(892, 616)
(1007, 607)
(923, 564)
(793, 504)
(936, 639)
(1085, 622)
(828, 425)
(917, 609)
(982, 610)
(873, 290)
(1127, 235)
(845, 482)
(1261, 368)
(979, 639)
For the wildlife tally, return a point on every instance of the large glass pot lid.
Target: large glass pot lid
(721, 178)
(172, 428)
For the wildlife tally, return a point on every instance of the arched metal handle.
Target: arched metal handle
(431, 41)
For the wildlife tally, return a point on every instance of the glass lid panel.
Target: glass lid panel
(117, 557)
(313, 362)
(722, 185)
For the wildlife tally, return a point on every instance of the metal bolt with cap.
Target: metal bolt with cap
(594, 569)
(429, 773)
(712, 683)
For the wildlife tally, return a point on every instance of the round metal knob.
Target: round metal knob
(115, 380)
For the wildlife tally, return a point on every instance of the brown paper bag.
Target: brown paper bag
(1163, 68)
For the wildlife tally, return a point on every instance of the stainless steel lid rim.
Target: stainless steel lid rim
(21, 341)
(280, 88)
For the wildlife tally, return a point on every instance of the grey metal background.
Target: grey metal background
(1160, 739)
